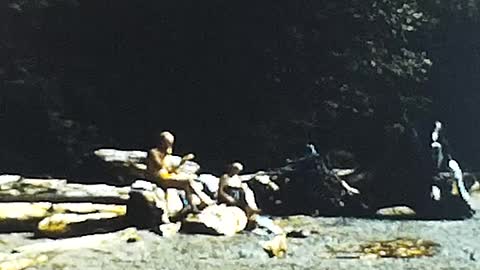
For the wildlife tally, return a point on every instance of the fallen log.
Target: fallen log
(21, 216)
(88, 208)
(67, 225)
(46, 218)
(18, 189)
(24, 211)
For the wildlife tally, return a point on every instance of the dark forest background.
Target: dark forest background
(249, 81)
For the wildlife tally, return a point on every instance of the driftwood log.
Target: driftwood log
(14, 188)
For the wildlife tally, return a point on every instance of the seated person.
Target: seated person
(232, 191)
(162, 168)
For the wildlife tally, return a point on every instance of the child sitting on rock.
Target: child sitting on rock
(233, 192)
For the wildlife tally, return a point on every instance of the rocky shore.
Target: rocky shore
(325, 243)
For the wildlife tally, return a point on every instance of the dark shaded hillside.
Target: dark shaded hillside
(253, 83)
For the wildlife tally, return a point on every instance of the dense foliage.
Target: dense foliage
(233, 81)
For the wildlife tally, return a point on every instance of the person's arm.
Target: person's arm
(157, 160)
(266, 180)
(155, 157)
(221, 191)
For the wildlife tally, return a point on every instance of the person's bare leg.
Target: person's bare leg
(204, 198)
(189, 194)
(181, 185)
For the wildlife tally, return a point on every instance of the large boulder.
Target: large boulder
(217, 220)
